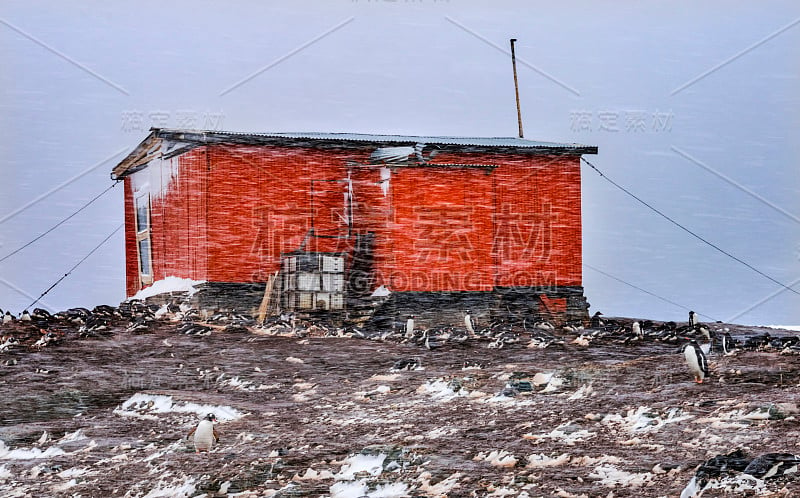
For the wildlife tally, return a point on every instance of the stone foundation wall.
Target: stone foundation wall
(557, 305)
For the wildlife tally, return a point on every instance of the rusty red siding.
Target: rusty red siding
(442, 229)
(465, 222)
(538, 222)
(260, 205)
(132, 284)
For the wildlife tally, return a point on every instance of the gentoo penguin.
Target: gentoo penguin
(597, 320)
(432, 341)
(8, 317)
(205, 434)
(713, 468)
(727, 343)
(772, 465)
(468, 323)
(25, 316)
(692, 318)
(708, 340)
(636, 329)
(410, 326)
(405, 364)
(696, 359)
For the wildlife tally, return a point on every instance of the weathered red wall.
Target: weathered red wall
(179, 238)
(132, 283)
(232, 210)
(260, 205)
(538, 221)
(442, 229)
(178, 227)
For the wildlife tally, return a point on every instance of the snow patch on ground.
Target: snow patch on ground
(610, 475)
(583, 392)
(140, 405)
(497, 458)
(359, 489)
(440, 390)
(186, 488)
(380, 390)
(441, 488)
(313, 475)
(391, 490)
(354, 489)
(59, 488)
(643, 419)
(73, 436)
(566, 433)
(28, 453)
(540, 460)
(240, 384)
(361, 465)
(73, 472)
(169, 284)
(372, 464)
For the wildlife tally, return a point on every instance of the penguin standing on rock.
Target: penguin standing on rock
(469, 324)
(410, 326)
(697, 361)
(692, 319)
(205, 434)
(727, 343)
(598, 320)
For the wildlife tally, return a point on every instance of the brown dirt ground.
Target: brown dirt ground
(312, 402)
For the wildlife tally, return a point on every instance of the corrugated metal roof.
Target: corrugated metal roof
(369, 137)
(163, 141)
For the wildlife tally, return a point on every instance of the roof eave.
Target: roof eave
(151, 146)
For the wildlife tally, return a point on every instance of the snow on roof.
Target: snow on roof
(164, 142)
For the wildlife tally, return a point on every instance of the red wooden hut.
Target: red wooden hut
(441, 223)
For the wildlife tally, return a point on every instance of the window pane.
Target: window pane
(144, 256)
(141, 214)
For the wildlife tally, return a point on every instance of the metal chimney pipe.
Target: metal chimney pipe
(516, 86)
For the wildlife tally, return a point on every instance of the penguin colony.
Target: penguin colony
(39, 329)
(698, 339)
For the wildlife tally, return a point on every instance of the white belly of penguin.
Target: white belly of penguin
(204, 435)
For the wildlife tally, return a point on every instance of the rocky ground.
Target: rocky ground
(300, 415)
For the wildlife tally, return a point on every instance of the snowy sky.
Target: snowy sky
(695, 108)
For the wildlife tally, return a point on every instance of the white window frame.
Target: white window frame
(142, 235)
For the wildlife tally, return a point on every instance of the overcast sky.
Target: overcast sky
(694, 108)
